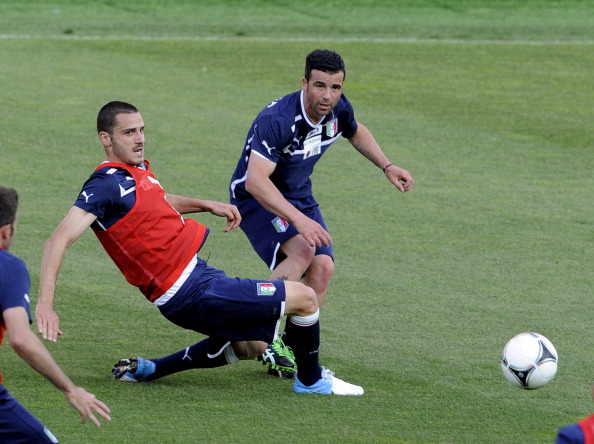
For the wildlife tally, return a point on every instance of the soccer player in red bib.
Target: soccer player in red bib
(17, 424)
(142, 229)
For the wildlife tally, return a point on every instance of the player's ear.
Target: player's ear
(303, 83)
(105, 138)
(5, 232)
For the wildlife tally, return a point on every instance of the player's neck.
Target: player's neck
(316, 121)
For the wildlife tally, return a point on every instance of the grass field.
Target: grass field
(488, 103)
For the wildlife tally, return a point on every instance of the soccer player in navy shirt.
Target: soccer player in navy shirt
(143, 231)
(17, 424)
(272, 189)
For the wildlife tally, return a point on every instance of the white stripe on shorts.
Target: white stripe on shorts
(161, 300)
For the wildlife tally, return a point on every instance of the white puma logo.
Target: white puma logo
(87, 196)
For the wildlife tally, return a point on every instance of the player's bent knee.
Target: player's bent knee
(300, 300)
(323, 267)
(328, 268)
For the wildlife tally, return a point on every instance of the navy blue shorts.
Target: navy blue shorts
(230, 309)
(267, 232)
(17, 424)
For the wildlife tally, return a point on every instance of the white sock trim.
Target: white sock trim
(305, 321)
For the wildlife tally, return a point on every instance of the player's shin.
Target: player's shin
(305, 342)
(194, 356)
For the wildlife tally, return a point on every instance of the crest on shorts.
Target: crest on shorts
(266, 289)
(280, 225)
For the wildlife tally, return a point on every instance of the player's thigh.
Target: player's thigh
(235, 309)
(267, 233)
(314, 213)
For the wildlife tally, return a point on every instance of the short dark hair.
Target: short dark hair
(106, 119)
(9, 201)
(324, 60)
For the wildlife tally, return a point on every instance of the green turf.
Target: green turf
(359, 19)
(488, 104)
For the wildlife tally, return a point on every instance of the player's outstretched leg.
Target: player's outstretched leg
(208, 353)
